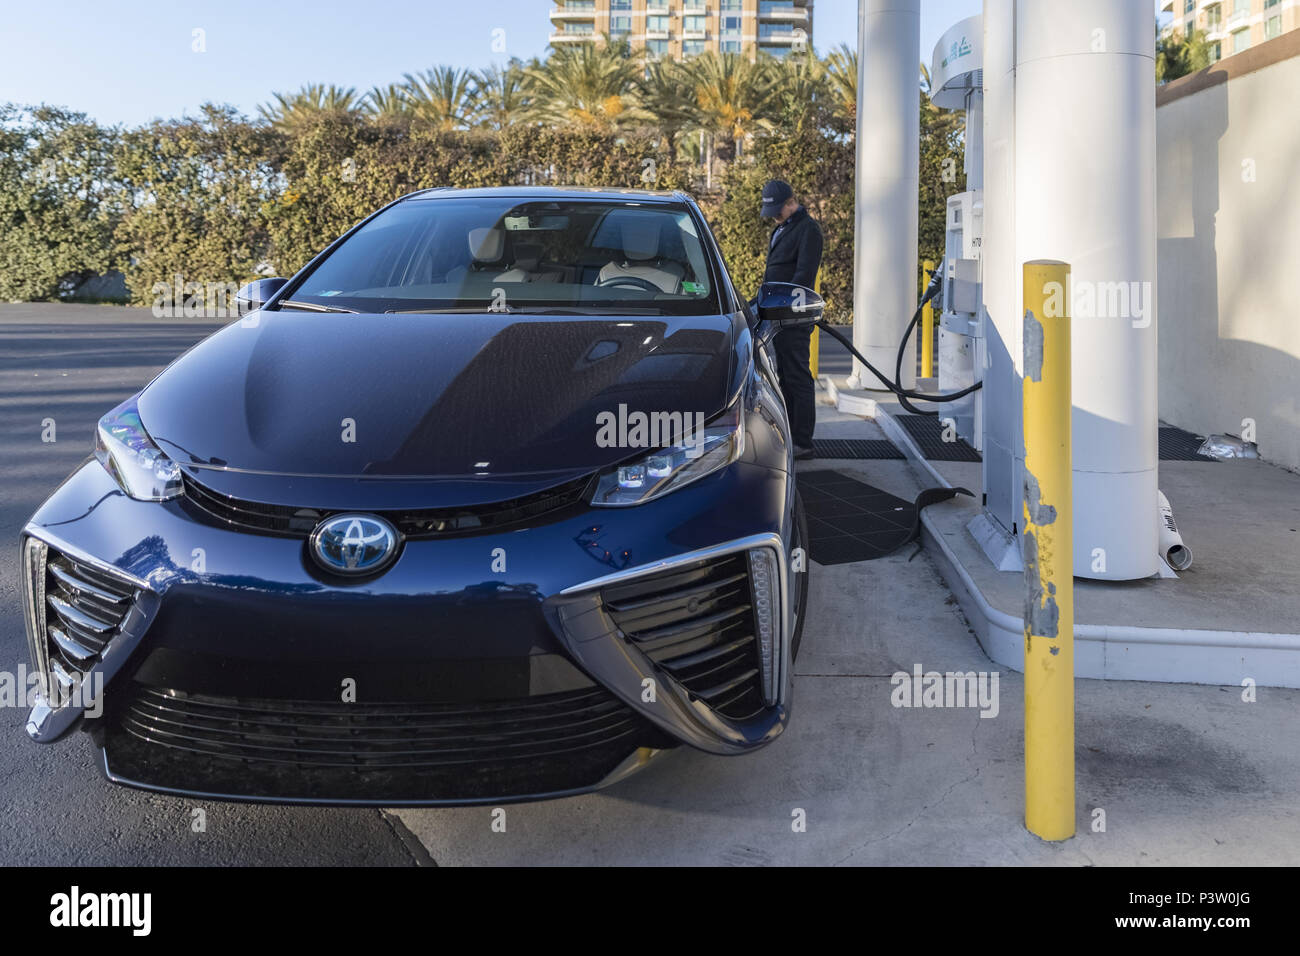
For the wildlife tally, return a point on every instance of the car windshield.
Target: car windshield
(502, 254)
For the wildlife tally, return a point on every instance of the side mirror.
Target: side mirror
(784, 303)
(257, 293)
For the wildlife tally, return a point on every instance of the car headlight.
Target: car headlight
(127, 453)
(662, 470)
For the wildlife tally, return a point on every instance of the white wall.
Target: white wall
(1228, 188)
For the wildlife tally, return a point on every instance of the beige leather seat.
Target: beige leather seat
(528, 266)
(641, 259)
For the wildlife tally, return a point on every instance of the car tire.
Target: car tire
(801, 586)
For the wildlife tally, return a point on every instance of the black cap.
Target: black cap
(775, 195)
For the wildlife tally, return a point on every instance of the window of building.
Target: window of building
(579, 6)
(1216, 51)
(730, 6)
(769, 31)
(1241, 8)
(729, 46)
(731, 24)
(580, 28)
(692, 47)
(620, 6)
(656, 24)
(656, 48)
(1273, 27)
(1240, 41)
(1213, 17)
(693, 24)
(693, 6)
(619, 26)
(1189, 27)
(1189, 6)
(1271, 3)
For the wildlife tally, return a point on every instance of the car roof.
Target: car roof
(550, 192)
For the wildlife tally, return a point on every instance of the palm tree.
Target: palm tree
(292, 110)
(443, 97)
(590, 84)
(667, 93)
(842, 80)
(1177, 55)
(799, 91)
(500, 95)
(387, 101)
(732, 95)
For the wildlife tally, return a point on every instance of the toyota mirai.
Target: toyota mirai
(493, 500)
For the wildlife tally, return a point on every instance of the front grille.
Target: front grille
(231, 512)
(355, 751)
(84, 610)
(698, 624)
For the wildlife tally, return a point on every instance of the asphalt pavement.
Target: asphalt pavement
(68, 365)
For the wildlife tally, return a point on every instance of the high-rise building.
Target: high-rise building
(1231, 26)
(673, 29)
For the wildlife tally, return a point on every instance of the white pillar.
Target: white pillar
(1085, 194)
(888, 179)
(1001, 286)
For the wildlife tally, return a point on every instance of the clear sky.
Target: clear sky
(130, 62)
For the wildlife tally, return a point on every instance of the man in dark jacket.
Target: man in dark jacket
(794, 253)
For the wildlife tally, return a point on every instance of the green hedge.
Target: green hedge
(219, 199)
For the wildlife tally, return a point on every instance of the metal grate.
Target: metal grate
(854, 448)
(330, 751)
(1179, 445)
(928, 433)
(697, 624)
(413, 523)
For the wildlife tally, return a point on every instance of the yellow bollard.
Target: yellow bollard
(1048, 547)
(814, 345)
(927, 324)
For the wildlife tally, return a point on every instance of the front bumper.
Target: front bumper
(510, 619)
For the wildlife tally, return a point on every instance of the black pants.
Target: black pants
(791, 346)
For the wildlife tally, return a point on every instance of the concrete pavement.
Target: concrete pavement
(1185, 774)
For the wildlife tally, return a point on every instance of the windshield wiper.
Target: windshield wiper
(458, 311)
(529, 310)
(314, 307)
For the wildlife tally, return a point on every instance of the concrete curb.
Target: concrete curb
(1103, 651)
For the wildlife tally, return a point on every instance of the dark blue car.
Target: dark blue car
(493, 500)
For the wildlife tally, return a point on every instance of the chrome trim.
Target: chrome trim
(768, 539)
(77, 616)
(83, 556)
(34, 606)
(49, 720)
(85, 587)
(70, 647)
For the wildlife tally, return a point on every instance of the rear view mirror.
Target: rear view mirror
(785, 303)
(257, 293)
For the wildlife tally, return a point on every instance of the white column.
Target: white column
(1001, 286)
(888, 173)
(1085, 194)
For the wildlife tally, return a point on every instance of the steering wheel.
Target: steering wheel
(630, 282)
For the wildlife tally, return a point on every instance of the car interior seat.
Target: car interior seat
(528, 266)
(642, 258)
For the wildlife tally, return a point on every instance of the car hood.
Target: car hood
(508, 398)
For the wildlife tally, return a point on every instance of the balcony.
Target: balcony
(574, 36)
(695, 34)
(656, 34)
(655, 8)
(564, 14)
(783, 15)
